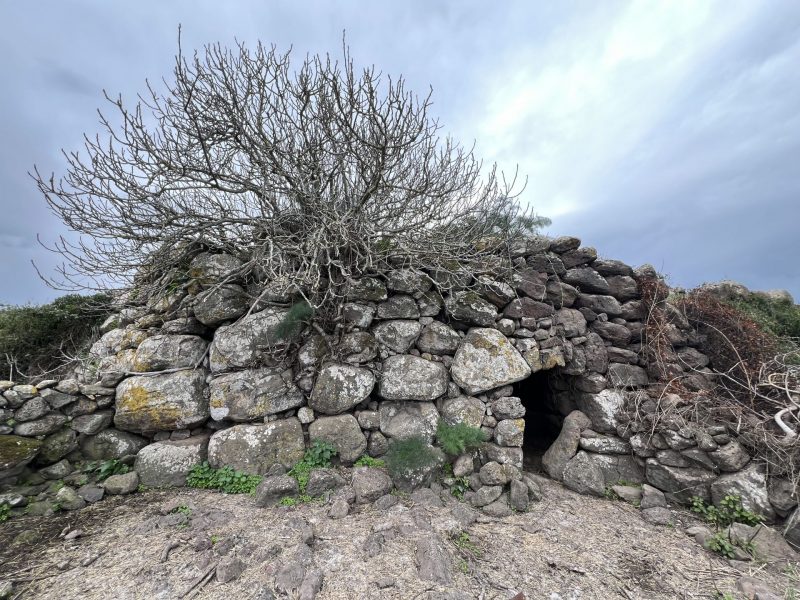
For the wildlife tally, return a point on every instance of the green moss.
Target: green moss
(15, 450)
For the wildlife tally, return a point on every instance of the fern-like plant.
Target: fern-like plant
(459, 438)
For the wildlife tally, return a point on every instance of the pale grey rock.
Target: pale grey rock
(573, 322)
(681, 483)
(750, 484)
(467, 306)
(497, 292)
(358, 315)
(487, 360)
(600, 304)
(629, 376)
(254, 449)
(323, 480)
(397, 334)
(408, 281)
(168, 463)
(161, 352)
(340, 387)
(126, 483)
(370, 484)
(438, 338)
(358, 347)
(433, 561)
(730, 458)
(245, 343)
(111, 444)
(210, 268)
(602, 409)
(605, 445)
(400, 306)
(162, 402)
(253, 394)
(402, 420)
(565, 447)
(510, 432)
(35, 408)
(272, 489)
(486, 495)
(68, 499)
(220, 304)
(343, 433)
(507, 407)
(369, 289)
(463, 409)
(584, 475)
(93, 423)
(407, 377)
(43, 426)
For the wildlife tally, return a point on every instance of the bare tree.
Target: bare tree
(313, 176)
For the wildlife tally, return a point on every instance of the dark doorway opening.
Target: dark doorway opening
(543, 420)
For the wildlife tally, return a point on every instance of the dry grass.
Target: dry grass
(567, 546)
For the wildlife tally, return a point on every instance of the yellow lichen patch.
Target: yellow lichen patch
(147, 408)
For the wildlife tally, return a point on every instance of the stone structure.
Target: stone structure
(190, 377)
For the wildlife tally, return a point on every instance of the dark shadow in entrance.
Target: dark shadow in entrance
(542, 419)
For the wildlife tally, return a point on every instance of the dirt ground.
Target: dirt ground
(566, 547)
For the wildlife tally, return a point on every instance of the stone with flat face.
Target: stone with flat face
(487, 360)
(407, 377)
(162, 402)
(246, 343)
(253, 394)
(340, 387)
(253, 449)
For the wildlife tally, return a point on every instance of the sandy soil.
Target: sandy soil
(566, 547)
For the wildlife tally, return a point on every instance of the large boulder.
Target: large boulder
(750, 484)
(162, 402)
(343, 433)
(161, 352)
(397, 334)
(407, 377)
(253, 449)
(340, 387)
(16, 452)
(110, 444)
(220, 304)
(246, 342)
(487, 360)
(253, 394)
(602, 408)
(402, 420)
(681, 483)
(57, 445)
(438, 338)
(167, 464)
(468, 307)
(463, 409)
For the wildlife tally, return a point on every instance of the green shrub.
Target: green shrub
(730, 511)
(296, 317)
(105, 469)
(409, 455)
(459, 438)
(35, 338)
(204, 476)
(5, 511)
(781, 318)
(317, 456)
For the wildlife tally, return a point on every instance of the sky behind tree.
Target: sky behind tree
(660, 132)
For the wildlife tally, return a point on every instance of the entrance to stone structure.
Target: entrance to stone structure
(543, 420)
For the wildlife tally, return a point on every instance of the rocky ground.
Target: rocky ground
(200, 544)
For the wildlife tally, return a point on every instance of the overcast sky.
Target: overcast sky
(660, 132)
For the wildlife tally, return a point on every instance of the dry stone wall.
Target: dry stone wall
(191, 377)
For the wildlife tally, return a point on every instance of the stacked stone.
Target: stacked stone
(194, 376)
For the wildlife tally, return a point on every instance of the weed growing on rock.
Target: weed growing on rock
(105, 469)
(730, 511)
(204, 476)
(459, 487)
(410, 454)
(459, 438)
(368, 461)
(318, 456)
(4, 512)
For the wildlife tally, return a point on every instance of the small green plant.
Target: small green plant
(5, 512)
(724, 596)
(296, 317)
(459, 438)
(184, 510)
(214, 539)
(721, 545)
(610, 494)
(368, 461)
(317, 456)
(102, 470)
(204, 476)
(288, 501)
(463, 542)
(730, 511)
(410, 454)
(463, 566)
(460, 487)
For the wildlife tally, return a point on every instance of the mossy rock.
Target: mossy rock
(16, 451)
